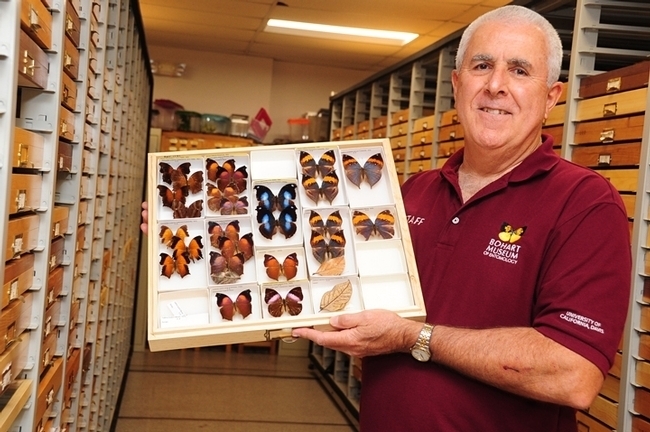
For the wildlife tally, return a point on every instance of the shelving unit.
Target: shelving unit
(598, 36)
(74, 126)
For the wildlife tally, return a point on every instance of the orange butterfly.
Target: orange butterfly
(177, 262)
(288, 268)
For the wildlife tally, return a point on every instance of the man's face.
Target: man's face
(501, 91)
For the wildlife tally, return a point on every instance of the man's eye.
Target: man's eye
(482, 66)
(520, 71)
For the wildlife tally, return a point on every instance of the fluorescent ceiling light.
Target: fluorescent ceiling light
(337, 32)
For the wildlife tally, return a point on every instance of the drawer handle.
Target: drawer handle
(69, 25)
(6, 376)
(423, 140)
(13, 289)
(17, 245)
(604, 159)
(21, 198)
(398, 157)
(67, 62)
(610, 109)
(10, 336)
(452, 134)
(34, 22)
(49, 399)
(421, 153)
(425, 125)
(23, 156)
(64, 127)
(607, 135)
(454, 118)
(29, 64)
(613, 85)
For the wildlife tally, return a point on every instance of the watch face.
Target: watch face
(420, 355)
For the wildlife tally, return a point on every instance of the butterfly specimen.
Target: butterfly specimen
(328, 227)
(241, 305)
(178, 262)
(323, 249)
(285, 222)
(324, 166)
(288, 268)
(328, 189)
(181, 186)
(271, 202)
(228, 265)
(191, 211)
(167, 235)
(278, 305)
(230, 247)
(193, 249)
(370, 171)
(509, 234)
(224, 269)
(384, 224)
(227, 175)
(173, 198)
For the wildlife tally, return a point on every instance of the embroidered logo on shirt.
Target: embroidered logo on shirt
(414, 220)
(582, 321)
(503, 248)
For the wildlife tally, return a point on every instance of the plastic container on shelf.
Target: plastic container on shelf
(166, 118)
(189, 121)
(239, 125)
(298, 129)
(216, 124)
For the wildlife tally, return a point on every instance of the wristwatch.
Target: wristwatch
(420, 351)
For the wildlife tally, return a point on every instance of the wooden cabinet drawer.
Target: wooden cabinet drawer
(449, 117)
(70, 59)
(9, 324)
(611, 130)
(379, 133)
(51, 318)
(624, 180)
(19, 277)
(379, 122)
(64, 162)
(424, 124)
(604, 410)
(348, 132)
(48, 349)
(68, 93)
(25, 192)
(623, 79)
(93, 64)
(22, 235)
(640, 425)
(336, 134)
(398, 143)
(47, 390)
(448, 148)
(82, 215)
(57, 250)
(398, 129)
(421, 152)
(562, 99)
(54, 285)
(629, 201)
(59, 221)
(36, 21)
(399, 167)
(94, 31)
(419, 166)
(71, 371)
(589, 424)
(28, 149)
(89, 137)
(400, 116)
(451, 132)
(72, 25)
(399, 155)
(423, 137)
(78, 268)
(642, 375)
(93, 91)
(557, 132)
(81, 238)
(607, 155)
(556, 115)
(66, 124)
(642, 401)
(363, 126)
(33, 63)
(75, 307)
(619, 104)
(363, 135)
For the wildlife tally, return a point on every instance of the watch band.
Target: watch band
(421, 350)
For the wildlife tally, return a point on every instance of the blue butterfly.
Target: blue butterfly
(281, 201)
(285, 223)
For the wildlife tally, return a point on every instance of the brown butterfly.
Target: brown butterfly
(193, 250)
(324, 166)
(277, 305)
(173, 198)
(178, 263)
(177, 177)
(193, 210)
(328, 227)
(328, 189)
(288, 268)
(225, 270)
(227, 175)
(384, 224)
(166, 234)
(241, 305)
(323, 250)
(370, 171)
(211, 166)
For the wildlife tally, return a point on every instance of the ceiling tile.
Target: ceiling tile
(185, 16)
(198, 31)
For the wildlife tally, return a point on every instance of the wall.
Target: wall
(229, 84)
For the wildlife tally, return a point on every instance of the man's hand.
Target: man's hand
(367, 333)
(144, 226)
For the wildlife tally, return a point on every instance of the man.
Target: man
(524, 260)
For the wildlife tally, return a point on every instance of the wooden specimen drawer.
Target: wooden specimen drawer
(9, 324)
(640, 425)
(71, 371)
(562, 99)
(450, 132)
(421, 152)
(557, 132)
(87, 162)
(556, 115)
(25, 192)
(57, 250)
(94, 32)
(82, 215)
(54, 285)
(93, 63)
(14, 360)
(22, 235)
(629, 201)
(424, 124)
(28, 149)
(60, 216)
(618, 104)
(75, 307)
(399, 155)
(398, 143)
(70, 59)
(64, 157)
(81, 238)
(89, 137)
(69, 93)
(624, 180)
(401, 116)
(590, 424)
(66, 124)
(448, 148)
(609, 131)
(51, 318)
(363, 135)
(449, 117)
(379, 122)
(379, 133)
(604, 410)
(48, 349)
(363, 126)
(400, 167)
(610, 388)
(348, 132)
(398, 129)
(642, 401)
(337, 134)
(47, 390)
(36, 21)
(607, 155)
(623, 79)
(78, 268)
(643, 374)
(423, 137)
(33, 63)
(19, 277)
(419, 166)
(93, 91)
(72, 25)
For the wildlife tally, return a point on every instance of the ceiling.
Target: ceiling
(237, 27)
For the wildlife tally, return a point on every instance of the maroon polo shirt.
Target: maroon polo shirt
(545, 246)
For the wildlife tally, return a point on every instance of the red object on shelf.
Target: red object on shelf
(260, 126)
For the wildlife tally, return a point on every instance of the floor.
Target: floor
(211, 389)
